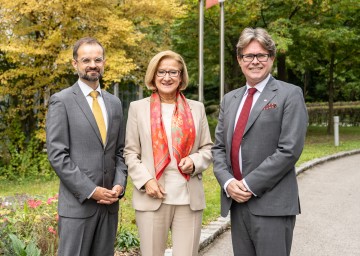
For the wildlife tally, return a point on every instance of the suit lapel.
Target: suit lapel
(85, 108)
(147, 115)
(266, 96)
(233, 108)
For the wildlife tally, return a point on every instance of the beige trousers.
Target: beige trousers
(154, 226)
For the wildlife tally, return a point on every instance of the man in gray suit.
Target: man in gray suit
(85, 141)
(255, 154)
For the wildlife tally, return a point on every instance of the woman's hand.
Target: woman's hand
(154, 189)
(187, 165)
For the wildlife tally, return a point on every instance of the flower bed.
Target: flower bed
(28, 226)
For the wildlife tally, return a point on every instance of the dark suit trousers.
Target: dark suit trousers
(254, 235)
(88, 236)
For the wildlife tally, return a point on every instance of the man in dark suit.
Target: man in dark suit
(255, 154)
(85, 141)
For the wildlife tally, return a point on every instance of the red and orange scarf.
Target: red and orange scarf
(182, 133)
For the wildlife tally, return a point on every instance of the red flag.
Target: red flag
(210, 3)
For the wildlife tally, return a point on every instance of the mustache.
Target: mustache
(92, 69)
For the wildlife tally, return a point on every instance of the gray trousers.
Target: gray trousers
(88, 236)
(254, 235)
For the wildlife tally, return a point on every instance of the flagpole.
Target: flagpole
(201, 50)
(222, 32)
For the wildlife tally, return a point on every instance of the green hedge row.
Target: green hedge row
(348, 112)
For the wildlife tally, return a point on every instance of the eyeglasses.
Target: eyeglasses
(88, 61)
(172, 73)
(250, 57)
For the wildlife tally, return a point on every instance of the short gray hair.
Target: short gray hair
(259, 34)
(154, 63)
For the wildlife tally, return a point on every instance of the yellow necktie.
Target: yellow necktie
(98, 115)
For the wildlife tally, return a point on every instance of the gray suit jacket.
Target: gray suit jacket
(77, 154)
(272, 143)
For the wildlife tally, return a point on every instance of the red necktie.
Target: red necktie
(238, 133)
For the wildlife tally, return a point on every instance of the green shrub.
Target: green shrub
(5, 243)
(212, 126)
(27, 161)
(126, 240)
(348, 112)
(20, 249)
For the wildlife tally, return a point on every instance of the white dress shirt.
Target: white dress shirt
(86, 90)
(175, 185)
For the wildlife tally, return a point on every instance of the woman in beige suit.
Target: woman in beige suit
(167, 147)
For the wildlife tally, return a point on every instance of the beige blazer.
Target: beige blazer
(139, 158)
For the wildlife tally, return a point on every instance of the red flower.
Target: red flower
(52, 230)
(33, 203)
(50, 200)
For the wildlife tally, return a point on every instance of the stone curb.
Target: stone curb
(308, 165)
(210, 232)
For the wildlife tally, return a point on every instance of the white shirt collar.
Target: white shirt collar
(87, 89)
(260, 86)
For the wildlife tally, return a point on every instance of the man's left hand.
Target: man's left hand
(113, 194)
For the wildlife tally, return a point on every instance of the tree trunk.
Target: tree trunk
(235, 76)
(281, 67)
(306, 82)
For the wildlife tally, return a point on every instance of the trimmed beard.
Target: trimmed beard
(86, 77)
(90, 78)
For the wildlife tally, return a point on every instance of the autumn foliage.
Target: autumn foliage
(36, 39)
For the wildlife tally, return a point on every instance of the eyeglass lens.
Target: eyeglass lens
(172, 73)
(88, 61)
(260, 57)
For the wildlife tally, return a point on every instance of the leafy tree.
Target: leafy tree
(316, 44)
(36, 39)
(328, 37)
(273, 15)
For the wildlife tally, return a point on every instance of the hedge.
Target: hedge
(348, 112)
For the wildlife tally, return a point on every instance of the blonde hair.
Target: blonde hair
(154, 63)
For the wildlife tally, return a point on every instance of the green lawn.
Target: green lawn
(318, 144)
